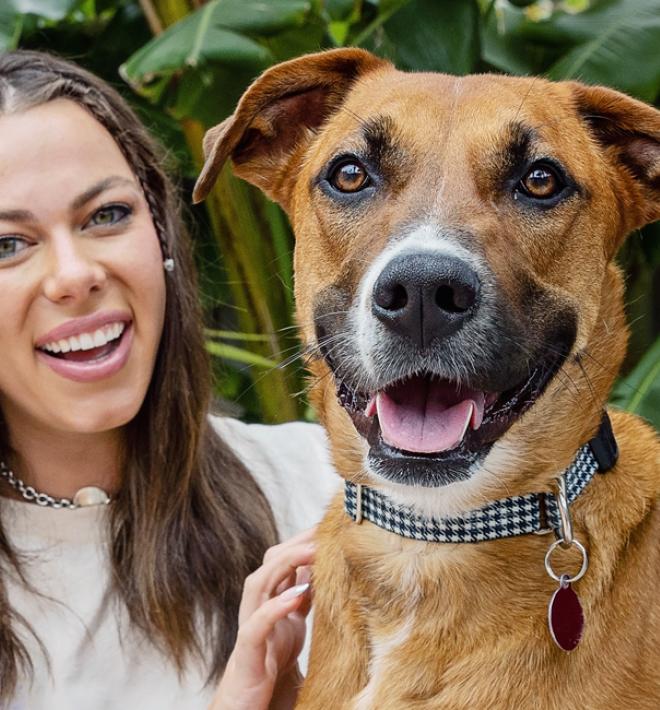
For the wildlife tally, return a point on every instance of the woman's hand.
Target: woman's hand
(262, 671)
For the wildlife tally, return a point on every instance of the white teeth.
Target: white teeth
(86, 341)
(467, 422)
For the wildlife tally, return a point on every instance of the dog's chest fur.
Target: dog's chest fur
(462, 626)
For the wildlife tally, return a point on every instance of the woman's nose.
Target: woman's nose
(73, 272)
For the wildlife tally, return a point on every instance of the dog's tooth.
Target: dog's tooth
(64, 346)
(478, 410)
(468, 419)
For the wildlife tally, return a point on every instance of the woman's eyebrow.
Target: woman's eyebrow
(98, 188)
(16, 216)
(80, 201)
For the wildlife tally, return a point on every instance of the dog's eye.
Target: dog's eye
(541, 182)
(349, 177)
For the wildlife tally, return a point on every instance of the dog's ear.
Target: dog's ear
(629, 132)
(277, 114)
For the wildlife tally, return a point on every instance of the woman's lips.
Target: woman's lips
(85, 324)
(92, 369)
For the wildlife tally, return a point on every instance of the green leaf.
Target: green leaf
(297, 40)
(48, 9)
(342, 10)
(231, 352)
(224, 32)
(609, 43)
(639, 392)
(617, 47)
(207, 94)
(426, 35)
(505, 46)
(235, 335)
(373, 18)
(190, 46)
(10, 29)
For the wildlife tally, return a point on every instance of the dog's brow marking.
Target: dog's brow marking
(381, 648)
(378, 133)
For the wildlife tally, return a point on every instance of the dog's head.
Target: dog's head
(454, 239)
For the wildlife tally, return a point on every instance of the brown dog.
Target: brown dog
(454, 273)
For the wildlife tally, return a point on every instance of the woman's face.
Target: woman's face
(82, 290)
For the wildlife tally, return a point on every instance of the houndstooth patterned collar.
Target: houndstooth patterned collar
(518, 515)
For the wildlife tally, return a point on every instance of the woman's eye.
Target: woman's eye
(349, 177)
(109, 215)
(541, 182)
(11, 246)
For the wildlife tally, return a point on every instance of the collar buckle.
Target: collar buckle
(544, 528)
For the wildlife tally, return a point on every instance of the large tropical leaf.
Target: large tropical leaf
(17, 15)
(217, 51)
(617, 43)
(191, 43)
(232, 353)
(426, 35)
(46, 9)
(222, 32)
(639, 392)
(505, 44)
(613, 42)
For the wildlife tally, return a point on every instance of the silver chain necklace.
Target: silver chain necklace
(89, 495)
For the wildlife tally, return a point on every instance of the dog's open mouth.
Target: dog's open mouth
(427, 418)
(424, 415)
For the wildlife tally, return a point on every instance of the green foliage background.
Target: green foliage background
(184, 63)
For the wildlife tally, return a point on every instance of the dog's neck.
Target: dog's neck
(509, 517)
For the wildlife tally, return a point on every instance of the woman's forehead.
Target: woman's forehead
(57, 147)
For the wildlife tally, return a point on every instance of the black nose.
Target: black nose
(424, 296)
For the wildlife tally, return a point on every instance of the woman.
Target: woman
(104, 394)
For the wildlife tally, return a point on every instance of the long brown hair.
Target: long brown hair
(189, 523)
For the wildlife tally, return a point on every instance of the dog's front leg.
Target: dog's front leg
(339, 655)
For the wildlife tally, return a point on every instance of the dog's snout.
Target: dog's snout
(424, 296)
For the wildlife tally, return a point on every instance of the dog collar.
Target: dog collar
(508, 517)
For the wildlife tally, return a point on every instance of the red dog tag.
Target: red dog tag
(565, 617)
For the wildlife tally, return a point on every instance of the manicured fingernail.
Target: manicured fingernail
(293, 592)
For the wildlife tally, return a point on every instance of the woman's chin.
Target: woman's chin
(96, 417)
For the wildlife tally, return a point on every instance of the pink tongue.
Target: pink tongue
(424, 416)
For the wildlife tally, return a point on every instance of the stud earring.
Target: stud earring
(168, 264)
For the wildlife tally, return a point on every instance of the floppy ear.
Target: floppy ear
(629, 132)
(277, 115)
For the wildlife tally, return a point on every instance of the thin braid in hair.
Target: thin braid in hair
(95, 103)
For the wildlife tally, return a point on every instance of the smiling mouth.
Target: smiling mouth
(426, 417)
(87, 347)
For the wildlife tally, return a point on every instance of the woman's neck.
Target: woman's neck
(61, 463)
